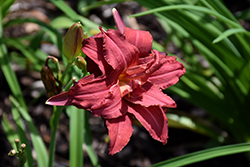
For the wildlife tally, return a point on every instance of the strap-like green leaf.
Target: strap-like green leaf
(76, 135)
(54, 120)
(5, 5)
(229, 32)
(100, 3)
(88, 141)
(53, 33)
(196, 8)
(39, 146)
(204, 155)
(9, 130)
(21, 130)
(10, 75)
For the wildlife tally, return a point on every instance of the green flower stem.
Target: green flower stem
(69, 84)
(17, 142)
(65, 72)
(76, 117)
(59, 73)
(21, 158)
(55, 60)
(54, 124)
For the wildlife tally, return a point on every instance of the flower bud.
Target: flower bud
(12, 153)
(72, 42)
(49, 80)
(80, 63)
(17, 140)
(23, 146)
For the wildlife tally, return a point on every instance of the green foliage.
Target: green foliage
(204, 155)
(39, 146)
(76, 139)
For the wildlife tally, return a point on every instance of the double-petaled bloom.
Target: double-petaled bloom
(126, 82)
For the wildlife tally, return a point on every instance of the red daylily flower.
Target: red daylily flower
(126, 80)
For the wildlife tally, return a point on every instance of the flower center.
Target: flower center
(127, 85)
(124, 88)
(124, 84)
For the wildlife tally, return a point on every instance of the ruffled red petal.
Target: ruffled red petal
(120, 130)
(150, 95)
(169, 72)
(61, 99)
(153, 119)
(85, 93)
(117, 51)
(93, 48)
(111, 106)
(141, 39)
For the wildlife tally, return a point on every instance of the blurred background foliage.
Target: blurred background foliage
(210, 38)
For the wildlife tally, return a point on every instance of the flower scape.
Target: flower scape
(125, 82)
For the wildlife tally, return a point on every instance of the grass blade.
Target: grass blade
(9, 131)
(204, 155)
(53, 125)
(5, 5)
(62, 22)
(26, 51)
(66, 9)
(76, 135)
(16, 91)
(39, 146)
(22, 136)
(229, 32)
(53, 33)
(220, 8)
(74, 16)
(100, 3)
(196, 8)
(88, 141)
(10, 75)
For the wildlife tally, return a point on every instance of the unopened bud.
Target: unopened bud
(49, 80)
(23, 146)
(74, 79)
(12, 153)
(17, 140)
(72, 42)
(80, 63)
